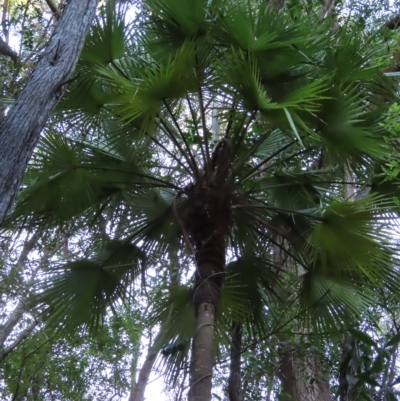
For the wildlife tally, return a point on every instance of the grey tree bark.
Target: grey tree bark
(301, 377)
(21, 127)
(137, 393)
(301, 374)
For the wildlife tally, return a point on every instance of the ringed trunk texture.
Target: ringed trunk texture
(203, 354)
(235, 390)
(210, 263)
(21, 127)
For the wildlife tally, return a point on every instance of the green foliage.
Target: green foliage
(295, 104)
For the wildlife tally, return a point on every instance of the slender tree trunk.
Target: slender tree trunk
(344, 393)
(21, 127)
(301, 375)
(140, 387)
(235, 378)
(134, 365)
(210, 263)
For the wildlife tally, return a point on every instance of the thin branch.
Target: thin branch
(230, 121)
(20, 338)
(142, 175)
(180, 223)
(6, 50)
(276, 243)
(327, 9)
(4, 20)
(54, 9)
(278, 209)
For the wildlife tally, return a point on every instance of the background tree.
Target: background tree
(21, 127)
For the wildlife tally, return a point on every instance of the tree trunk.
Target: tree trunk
(235, 378)
(210, 263)
(140, 387)
(300, 374)
(301, 377)
(21, 127)
(202, 354)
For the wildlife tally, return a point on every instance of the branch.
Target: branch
(54, 9)
(393, 23)
(21, 337)
(327, 9)
(6, 50)
(4, 21)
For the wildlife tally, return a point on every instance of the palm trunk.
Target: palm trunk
(235, 378)
(210, 262)
(202, 354)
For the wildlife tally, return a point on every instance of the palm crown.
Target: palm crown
(219, 130)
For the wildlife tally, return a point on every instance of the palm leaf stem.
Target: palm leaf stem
(234, 245)
(267, 168)
(196, 128)
(167, 130)
(230, 120)
(281, 247)
(166, 184)
(169, 153)
(254, 171)
(204, 126)
(240, 162)
(194, 163)
(244, 132)
(277, 329)
(278, 209)
(147, 226)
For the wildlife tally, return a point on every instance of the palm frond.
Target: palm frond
(80, 292)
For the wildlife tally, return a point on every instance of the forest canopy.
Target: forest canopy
(199, 200)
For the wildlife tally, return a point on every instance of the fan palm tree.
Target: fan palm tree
(217, 130)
